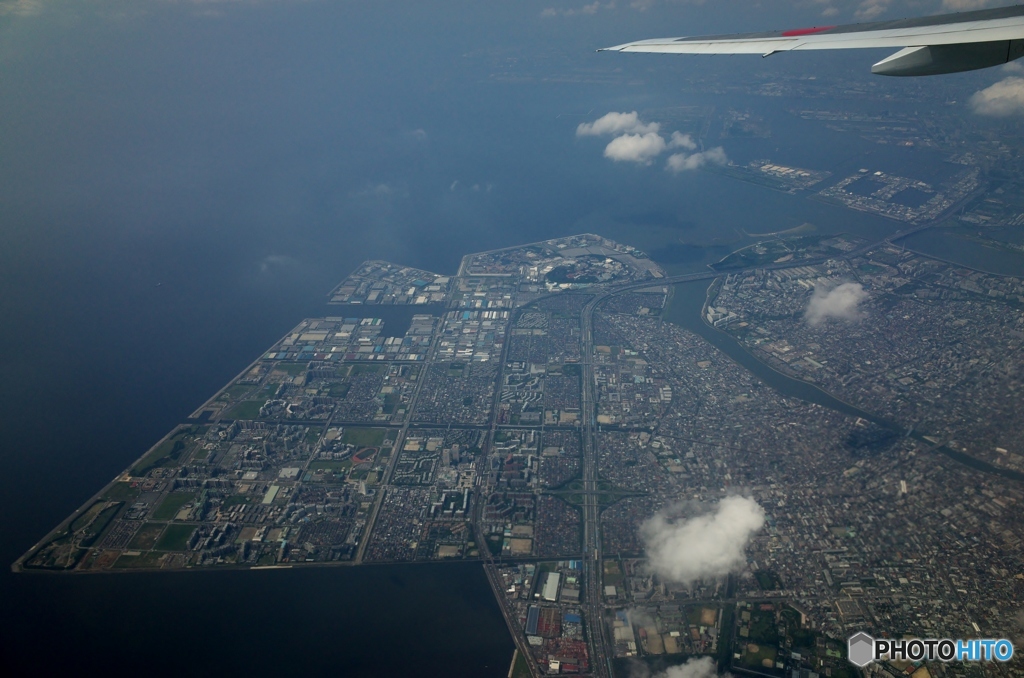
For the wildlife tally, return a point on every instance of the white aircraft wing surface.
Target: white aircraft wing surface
(938, 44)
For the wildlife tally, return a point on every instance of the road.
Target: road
(600, 656)
(600, 648)
(592, 603)
(493, 578)
(397, 449)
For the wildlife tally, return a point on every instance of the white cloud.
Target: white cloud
(275, 262)
(680, 140)
(1003, 99)
(870, 9)
(616, 123)
(841, 302)
(962, 5)
(704, 667)
(863, 10)
(641, 148)
(644, 5)
(640, 142)
(683, 162)
(21, 7)
(705, 545)
(695, 667)
(590, 9)
(381, 192)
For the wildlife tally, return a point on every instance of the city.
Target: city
(548, 411)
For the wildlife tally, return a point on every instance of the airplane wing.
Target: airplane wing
(946, 43)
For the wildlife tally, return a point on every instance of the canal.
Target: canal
(685, 308)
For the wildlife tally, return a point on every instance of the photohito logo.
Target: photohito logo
(862, 649)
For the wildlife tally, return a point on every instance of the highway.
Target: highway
(397, 449)
(493, 578)
(597, 632)
(600, 648)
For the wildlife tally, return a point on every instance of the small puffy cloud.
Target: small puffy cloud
(640, 142)
(381, 190)
(616, 123)
(589, 9)
(680, 140)
(641, 148)
(703, 545)
(704, 667)
(644, 5)
(964, 5)
(21, 7)
(828, 7)
(277, 262)
(841, 302)
(870, 9)
(684, 162)
(1003, 99)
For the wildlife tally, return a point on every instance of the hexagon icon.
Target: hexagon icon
(861, 649)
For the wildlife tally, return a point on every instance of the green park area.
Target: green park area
(166, 453)
(363, 437)
(763, 629)
(232, 393)
(293, 369)
(171, 504)
(247, 409)
(768, 252)
(250, 408)
(90, 533)
(759, 655)
(313, 434)
(768, 580)
(520, 666)
(338, 390)
(330, 465)
(146, 537)
(234, 500)
(66, 547)
(613, 573)
(175, 537)
(391, 403)
(121, 492)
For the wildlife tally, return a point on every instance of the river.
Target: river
(685, 310)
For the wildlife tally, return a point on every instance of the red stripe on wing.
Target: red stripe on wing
(806, 31)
